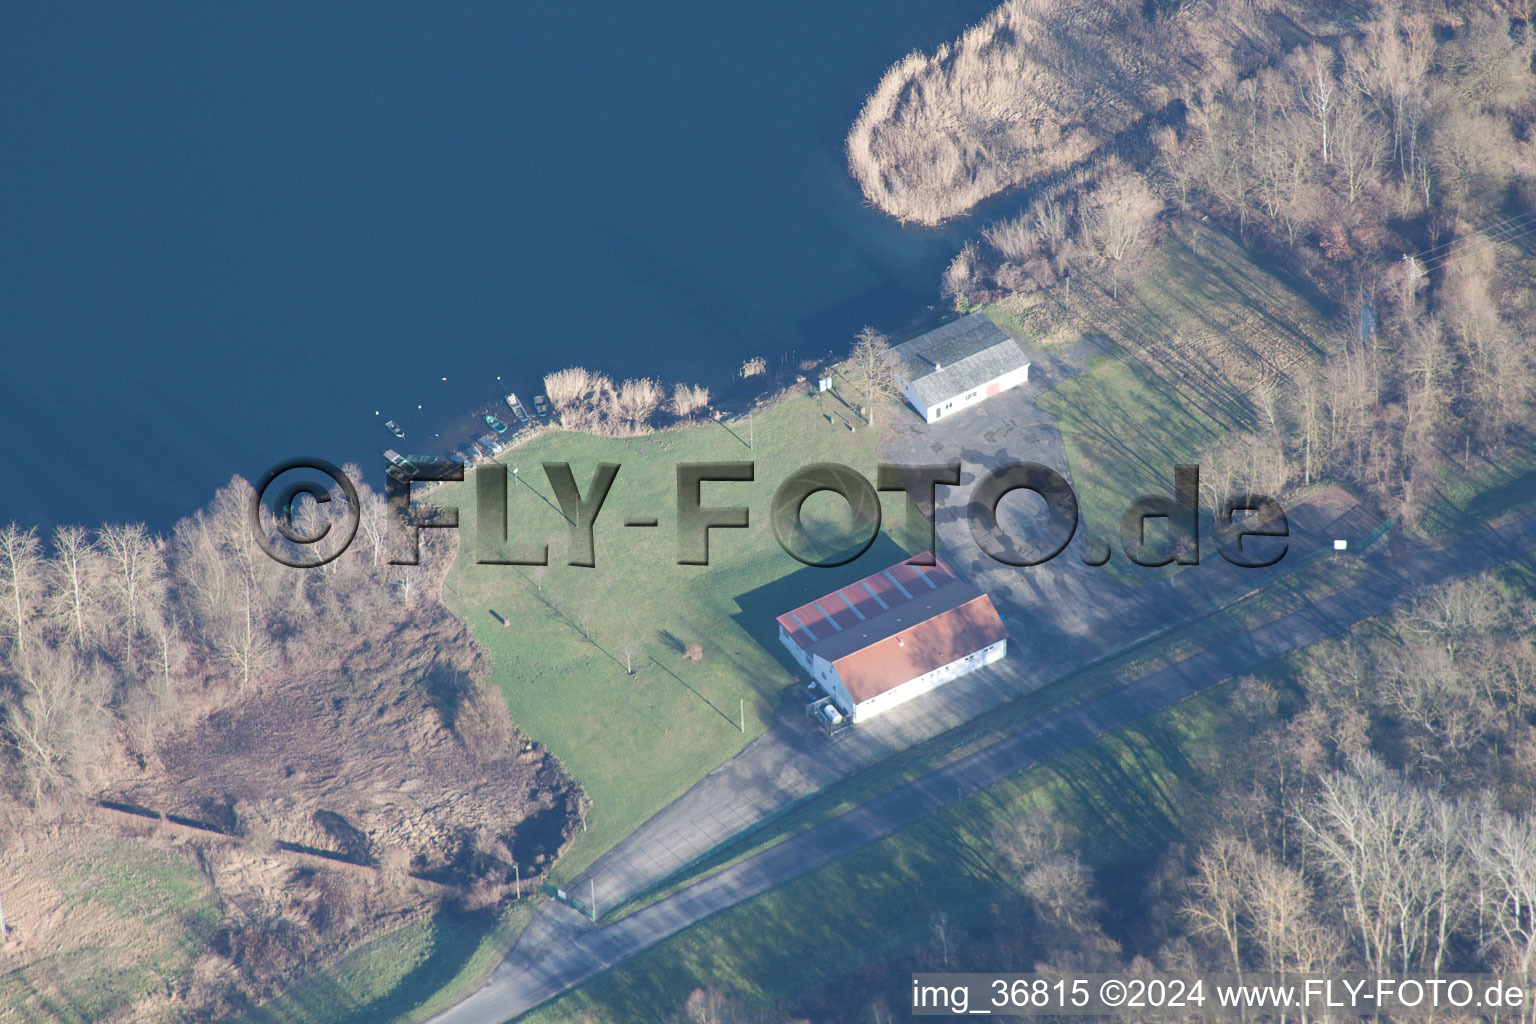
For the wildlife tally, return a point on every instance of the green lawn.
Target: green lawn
(1203, 326)
(1493, 487)
(1122, 793)
(572, 635)
(406, 975)
(1124, 429)
(130, 920)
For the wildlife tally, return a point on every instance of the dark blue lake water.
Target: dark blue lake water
(230, 233)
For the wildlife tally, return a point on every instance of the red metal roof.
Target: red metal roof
(895, 625)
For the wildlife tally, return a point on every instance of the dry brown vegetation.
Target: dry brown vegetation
(688, 399)
(592, 403)
(1035, 89)
(263, 711)
(1403, 128)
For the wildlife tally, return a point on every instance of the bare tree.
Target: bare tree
(22, 579)
(938, 927)
(1216, 898)
(78, 571)
(246, 645)
(1318, 87)
(136, 580)
(59, 723)
(1119, 215)
(869, 368)
(1506, 869)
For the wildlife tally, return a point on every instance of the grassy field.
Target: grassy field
(1490, 489)
(102, 924)
(592, 660)
(407, 975)
(1204, 327)
(1122, 794)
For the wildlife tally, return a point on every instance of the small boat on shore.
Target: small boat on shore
(541, 405)
(518, 409)
(495, 424)
(395, 429)
(394, 457)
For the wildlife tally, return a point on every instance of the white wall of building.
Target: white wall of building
(965, 400)
(929, 681)
(831, 683)
(801, 658)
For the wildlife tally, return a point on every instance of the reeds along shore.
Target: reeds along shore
(591, 402)
(1036, 88)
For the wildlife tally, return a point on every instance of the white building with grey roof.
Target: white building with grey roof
(955, 366)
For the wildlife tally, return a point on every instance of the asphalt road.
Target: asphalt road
(556, 953)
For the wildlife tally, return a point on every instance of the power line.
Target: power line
(1528, 217)
(1508, 231)
(1478, 244)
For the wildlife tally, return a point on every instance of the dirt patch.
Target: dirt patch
(340, 799)
(366, 753)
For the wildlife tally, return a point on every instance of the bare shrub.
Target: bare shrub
(688, 399)
(962, 278)
(634, 401)
(1119, 216)
(567, 387)
(1014, 239)
(754, 367)
(579, 396)
(694, 653)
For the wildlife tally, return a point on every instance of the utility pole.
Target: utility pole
(4, 932)
(1411, 281)
(517, 876)
(743, 719)
(751, 436)
(593, 884)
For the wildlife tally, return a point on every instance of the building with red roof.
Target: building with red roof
(893, 635)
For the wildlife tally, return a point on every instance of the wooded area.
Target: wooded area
(317, 742)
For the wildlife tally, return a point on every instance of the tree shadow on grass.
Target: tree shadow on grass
(1123, 788)
(455, 938)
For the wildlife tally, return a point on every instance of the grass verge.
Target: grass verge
(1120, 792)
